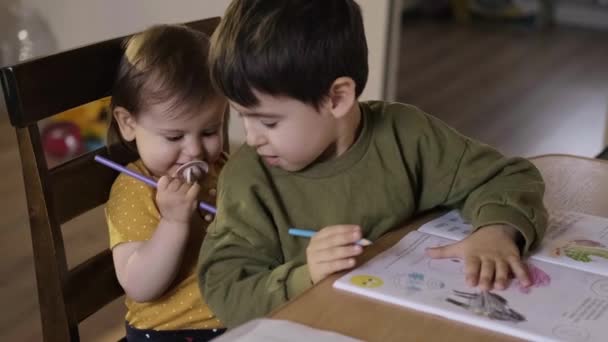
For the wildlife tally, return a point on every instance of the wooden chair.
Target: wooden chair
(35, 90)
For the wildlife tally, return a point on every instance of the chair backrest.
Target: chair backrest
(35, 90)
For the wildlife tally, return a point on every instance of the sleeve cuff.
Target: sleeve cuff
(298, 281)
(500, 214)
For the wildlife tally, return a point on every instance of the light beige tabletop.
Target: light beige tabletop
(573, 183)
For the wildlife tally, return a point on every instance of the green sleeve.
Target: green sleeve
(455, 171)
(241, 272)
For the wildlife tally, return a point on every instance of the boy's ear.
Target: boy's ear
(126, 123)
(341, 96)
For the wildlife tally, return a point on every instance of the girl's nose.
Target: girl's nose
(194, 148)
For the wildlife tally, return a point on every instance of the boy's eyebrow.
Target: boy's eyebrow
(260, 115)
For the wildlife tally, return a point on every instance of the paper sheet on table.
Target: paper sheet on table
(278, 330)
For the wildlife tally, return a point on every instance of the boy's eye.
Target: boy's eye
(174, 137)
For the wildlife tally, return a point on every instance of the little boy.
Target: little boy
(319, 159)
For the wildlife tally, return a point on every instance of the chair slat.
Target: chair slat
(92, 71)
(82, 184)
(91, 285)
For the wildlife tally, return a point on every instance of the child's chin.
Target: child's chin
(291, 168)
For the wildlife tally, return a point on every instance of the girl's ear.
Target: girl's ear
(126, 123)
(341, 96)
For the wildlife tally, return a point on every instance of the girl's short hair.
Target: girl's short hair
(163, 64)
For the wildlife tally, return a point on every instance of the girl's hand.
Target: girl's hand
(332, 249)
(176, 199)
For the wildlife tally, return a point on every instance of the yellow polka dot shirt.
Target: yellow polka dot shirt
(132, 215)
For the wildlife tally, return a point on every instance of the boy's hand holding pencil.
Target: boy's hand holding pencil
(333, 249)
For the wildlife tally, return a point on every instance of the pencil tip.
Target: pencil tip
(364, 242)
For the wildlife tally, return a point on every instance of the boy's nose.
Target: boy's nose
(252, 136)
(254, 139)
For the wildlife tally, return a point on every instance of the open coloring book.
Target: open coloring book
(567, 302)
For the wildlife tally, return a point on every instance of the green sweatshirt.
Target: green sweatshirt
(404, 162)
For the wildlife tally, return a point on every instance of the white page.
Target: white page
(272, 330)
(572, 239)
(563, 305)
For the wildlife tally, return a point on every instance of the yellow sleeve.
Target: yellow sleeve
(131, 211)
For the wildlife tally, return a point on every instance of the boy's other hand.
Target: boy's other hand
(332, 249)
(176, 199)
(491, 255)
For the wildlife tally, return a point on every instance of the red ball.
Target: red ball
(62, 139)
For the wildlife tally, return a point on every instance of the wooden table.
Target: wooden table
(573, 183)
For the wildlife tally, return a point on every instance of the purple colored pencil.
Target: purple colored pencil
(144, 179)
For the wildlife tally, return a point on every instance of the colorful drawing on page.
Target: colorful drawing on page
(538, 277)
(366, 281)
(486, 303)
(416, 281)
(411, 284)
(581, 250)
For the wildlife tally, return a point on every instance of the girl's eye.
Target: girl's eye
(174, 138)
(269, 124)
(209, 133)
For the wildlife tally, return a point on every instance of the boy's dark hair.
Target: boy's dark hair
(165, 63)
(294, 48)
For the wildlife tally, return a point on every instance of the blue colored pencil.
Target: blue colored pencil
(309, 233)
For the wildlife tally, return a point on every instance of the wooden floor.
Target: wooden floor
(526, 92)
